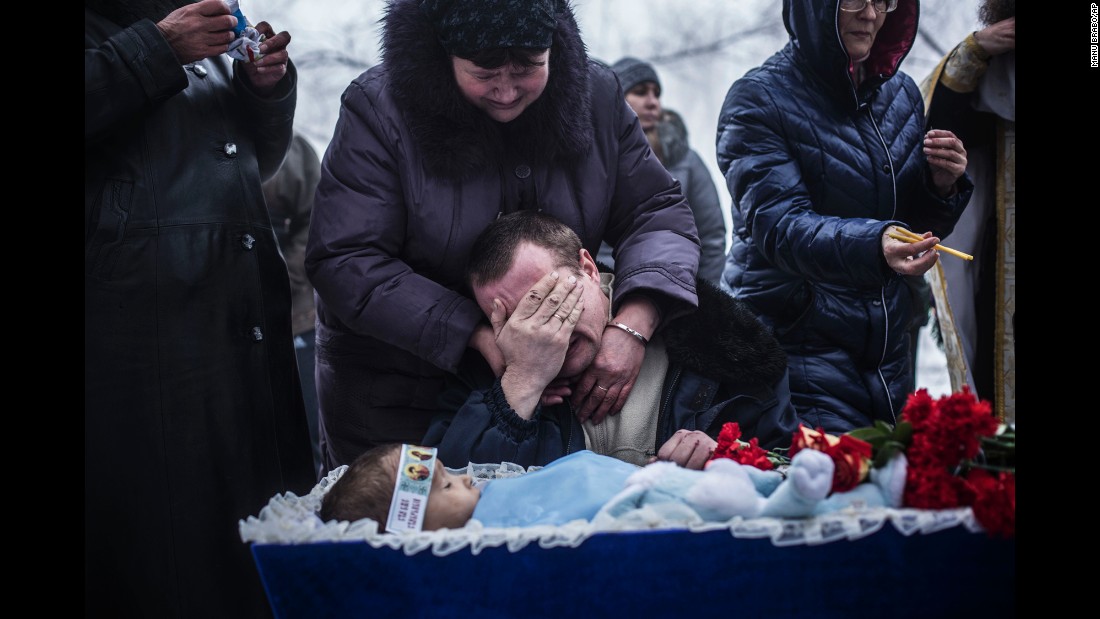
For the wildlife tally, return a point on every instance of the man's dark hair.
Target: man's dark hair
(993, 11)
(494, 251)
(365, 490)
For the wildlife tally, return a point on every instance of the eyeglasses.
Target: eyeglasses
(881, 6)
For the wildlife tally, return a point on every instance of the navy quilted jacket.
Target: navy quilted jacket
(817, 169)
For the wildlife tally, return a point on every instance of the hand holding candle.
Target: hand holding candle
(901, 234)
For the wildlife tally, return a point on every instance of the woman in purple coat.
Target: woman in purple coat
(480, 107)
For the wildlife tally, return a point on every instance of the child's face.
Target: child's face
(452, 500)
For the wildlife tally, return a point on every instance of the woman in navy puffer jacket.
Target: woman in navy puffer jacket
(821, 147)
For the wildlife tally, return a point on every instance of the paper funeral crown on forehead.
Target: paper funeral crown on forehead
(466, 27)
(415, 469)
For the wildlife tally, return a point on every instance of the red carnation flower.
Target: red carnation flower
(729, 446)
(935, 488)
(918, 407)
(946, 433)
(805, 438)
(752, 455)
(994, 501)
(727, 440)
(851, 456)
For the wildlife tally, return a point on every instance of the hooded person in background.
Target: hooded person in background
(973, 93)
(824, 152)
(193, 412)
(480, 107)
(668, 136)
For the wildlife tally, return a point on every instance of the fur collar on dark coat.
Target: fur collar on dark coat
(724, 340)
(455, 138)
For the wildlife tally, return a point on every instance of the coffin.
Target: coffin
(857, 563)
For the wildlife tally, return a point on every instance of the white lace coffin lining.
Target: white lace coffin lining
(290, 519)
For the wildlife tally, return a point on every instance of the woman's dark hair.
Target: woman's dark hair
(499, 56)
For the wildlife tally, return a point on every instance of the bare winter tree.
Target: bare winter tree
(333, 42)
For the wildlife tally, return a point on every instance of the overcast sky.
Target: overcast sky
(699, 47)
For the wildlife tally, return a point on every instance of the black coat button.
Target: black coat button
(523, 170)
(257, 334)
(885, 168)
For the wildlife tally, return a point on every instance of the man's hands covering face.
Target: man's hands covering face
(535, 338)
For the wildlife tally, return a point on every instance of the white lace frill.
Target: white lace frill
(290, 519)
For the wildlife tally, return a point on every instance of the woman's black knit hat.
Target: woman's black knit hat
(466, 27)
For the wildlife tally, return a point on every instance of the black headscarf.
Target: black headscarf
(466, 27)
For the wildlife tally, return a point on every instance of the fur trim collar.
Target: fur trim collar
(455, 138)
(723, 339)
(672, 132)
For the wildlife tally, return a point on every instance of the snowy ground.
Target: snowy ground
(931, 365)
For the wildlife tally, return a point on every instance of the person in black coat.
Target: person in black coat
(193, 414)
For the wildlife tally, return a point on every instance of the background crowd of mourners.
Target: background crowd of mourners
(227, 266)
